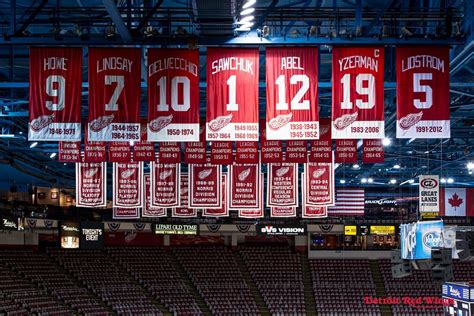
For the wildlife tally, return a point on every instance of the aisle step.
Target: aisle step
(380, 291)
(309, 300)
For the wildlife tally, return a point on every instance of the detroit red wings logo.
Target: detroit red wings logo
(345, 120)
(280, 172)
(244, 174)
(204, 174)
(101, 122)
(219, 122)
(165, 174)
(91, 172)
(411, 119)
(318, 172)
(160, 122)
(41, 122)
(127, 173)
(279, 121)
(324, 129)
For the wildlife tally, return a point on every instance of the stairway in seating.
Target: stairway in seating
(386, 310)
(194, 292)
(309, 301)
(262, 306)
(134, 281)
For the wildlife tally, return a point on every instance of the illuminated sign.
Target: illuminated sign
(382, 230)
(350, 230)
(176, 229)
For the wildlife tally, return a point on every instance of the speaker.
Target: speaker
(465, 245)
(421, 264)
(396, 257)
(401, 270)
(442, 273)
(441, 256)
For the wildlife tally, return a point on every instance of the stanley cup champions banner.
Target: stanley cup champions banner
(292, 93)
(357, 92)
(423, 92)
(127, 184)
(91, 184)
(114, 94)
(55, 94)
(232, 94)
(173, 95)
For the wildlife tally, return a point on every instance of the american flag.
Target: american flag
(348, 202)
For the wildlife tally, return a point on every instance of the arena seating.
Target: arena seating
(215, 273)
(155, 269)
(418, 284)
(43, 272)
(98, 272)
(277, 272)
(340, 286)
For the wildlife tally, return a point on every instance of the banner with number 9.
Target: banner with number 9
(114, 94)
(55, 94)
(358, 93)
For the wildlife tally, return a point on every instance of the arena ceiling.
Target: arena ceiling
(165, 23)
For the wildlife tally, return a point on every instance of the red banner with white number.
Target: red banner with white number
(148, 210)
(372, 151)
(423, 92)
(319, 184)
(224, 210)
(346, 151)
(246, 152)
(311, 211)
(91, 184)
(55, 94)
(292, 93)
(173, 95)
(127, 184)
(205, 190)
(183, 210)
(282, 185)
(358, 92)
(254, 212)
(126, 213)
(69, 152)
(164, 184)
(245, 187)
(232, 94)
(120, 152)
(321, 149)
(282, 211)
(114, 94)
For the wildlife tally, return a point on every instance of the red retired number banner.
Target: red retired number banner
(311, 211)
(148, 210)
(55, 94)
(127, 184)
(69, 152)
(292, 93)
(282, 185)
(173, 95)
(321, 149)
(232, 94)
(319, 184)
(126, 213)
(357, 92)
(283, 211)
(164, 184)
(114, 94)
(183, 210)
(91, 184)
(423, 92)
(254, 212)
(224, 210)
(245, 186)
(372, 151)
(205, 189)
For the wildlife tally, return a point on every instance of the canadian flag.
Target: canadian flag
(457, 202)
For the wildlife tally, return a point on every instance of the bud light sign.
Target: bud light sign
(417, 239)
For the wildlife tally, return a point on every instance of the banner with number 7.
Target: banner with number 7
(114, 94)
(232, 94)
(423, 92)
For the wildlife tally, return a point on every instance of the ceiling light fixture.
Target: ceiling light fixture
(386, 141)
(33, 145)
(248, 4)
(247, 11)
(450, 180)
(52, 155)
(370, 180)
(393, 181)
(355, 166)
(397, 166)
(342, 181)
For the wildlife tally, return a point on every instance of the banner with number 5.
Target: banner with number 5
(423, 92)
(55, 94)
(114, 94)
(292, 93)
(173, 95)
(358, 93)
(232, 94)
